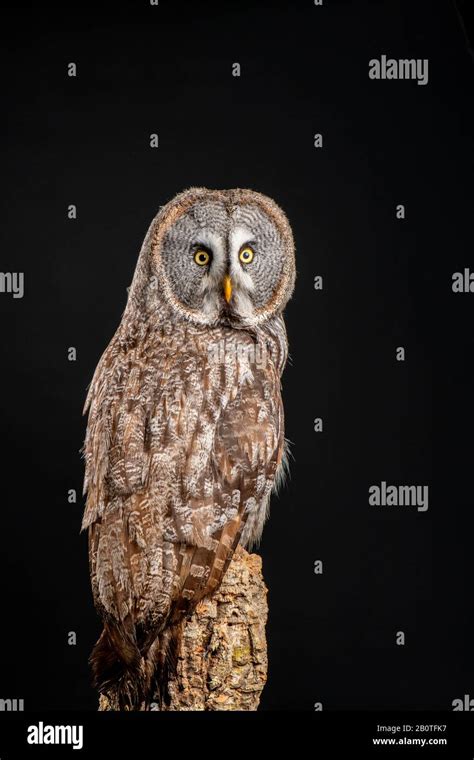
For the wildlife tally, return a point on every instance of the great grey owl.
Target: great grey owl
(185, 437)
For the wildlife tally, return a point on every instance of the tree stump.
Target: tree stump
(223, 660)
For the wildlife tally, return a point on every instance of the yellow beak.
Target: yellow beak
(227, 288)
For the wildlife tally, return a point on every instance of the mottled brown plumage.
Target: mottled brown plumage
(185, 435)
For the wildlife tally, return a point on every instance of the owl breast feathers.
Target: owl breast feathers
(185, 436)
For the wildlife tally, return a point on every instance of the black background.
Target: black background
(387, 283)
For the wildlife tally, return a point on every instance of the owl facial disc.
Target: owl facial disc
(224, 256)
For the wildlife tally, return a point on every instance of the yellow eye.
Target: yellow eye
(246, 255)
(202, 257)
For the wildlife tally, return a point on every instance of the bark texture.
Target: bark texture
(223, 659)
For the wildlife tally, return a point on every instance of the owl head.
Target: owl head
(217, 257)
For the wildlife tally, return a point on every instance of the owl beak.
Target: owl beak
(227, 285)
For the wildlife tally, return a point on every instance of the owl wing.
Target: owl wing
(247, 451)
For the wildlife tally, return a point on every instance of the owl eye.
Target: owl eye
(246, 255)
(202, 257)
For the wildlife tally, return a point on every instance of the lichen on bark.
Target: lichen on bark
(223, 659)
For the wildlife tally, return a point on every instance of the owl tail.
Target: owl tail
(161, 663)
(118, 667)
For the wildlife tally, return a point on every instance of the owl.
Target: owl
(185, 436)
